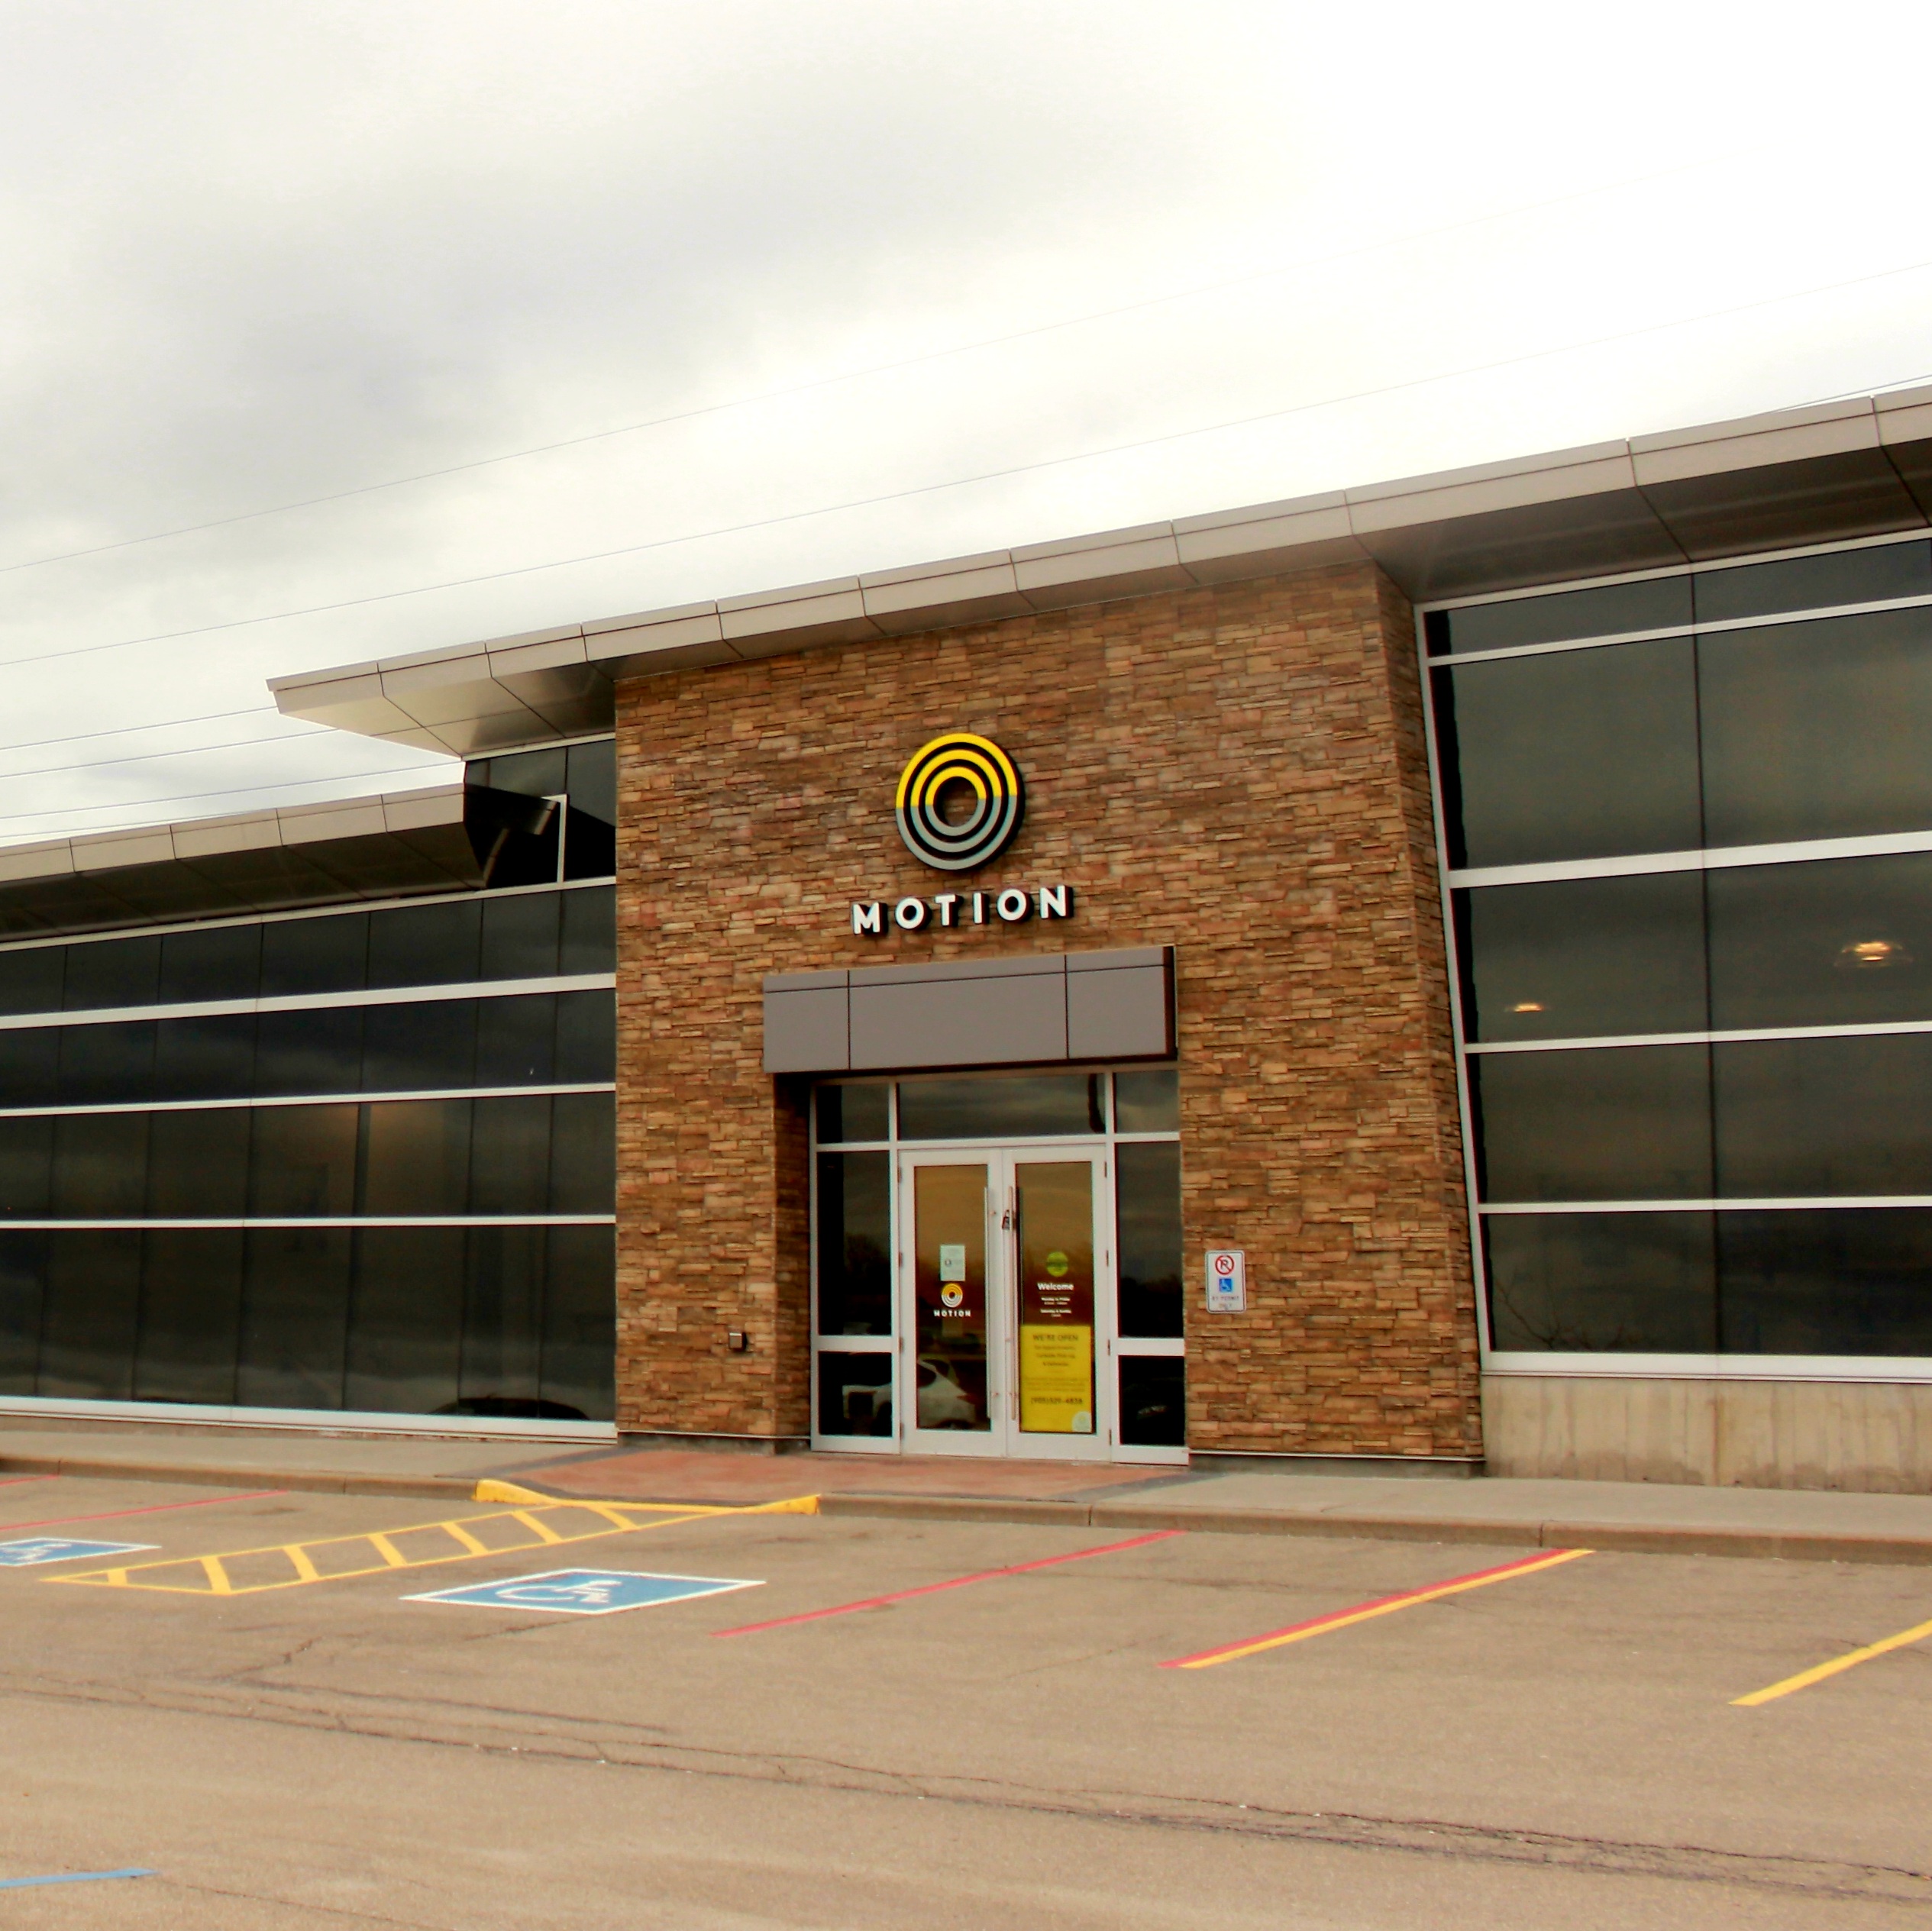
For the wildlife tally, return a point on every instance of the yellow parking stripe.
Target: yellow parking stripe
(546, 1524)
(1805, 1678)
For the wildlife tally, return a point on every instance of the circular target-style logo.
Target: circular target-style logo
(960, 802)
(952, 1293)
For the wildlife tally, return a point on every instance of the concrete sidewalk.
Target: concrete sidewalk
(1652, 1518)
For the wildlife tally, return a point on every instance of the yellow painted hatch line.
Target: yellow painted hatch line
(1850, 1660)
(544, 1522)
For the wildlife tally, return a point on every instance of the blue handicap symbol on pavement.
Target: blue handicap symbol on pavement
(584, 1592)
(29, 1551)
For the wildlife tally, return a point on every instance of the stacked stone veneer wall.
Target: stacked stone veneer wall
(1237, 772)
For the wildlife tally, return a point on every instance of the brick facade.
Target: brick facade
(1239, 772)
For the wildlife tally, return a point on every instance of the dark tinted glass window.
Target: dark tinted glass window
(107, 1065)
(855, 1393)
(1842, 941)
(1001, 1107)
(1657, 603)
(535, 773)
(590, 844)
(503, 1322)
(190, 1315)
(30, 980)
(516, 1041)
(584, 1153)
(1579, 754)
(1613, 1123)
(100, 1165)
(590, 931)
(302, 1162)
(427, 1047)
(417, 1157)
(590, 777)
(29, 1068)
(1148, 1207)
(854, 1243)
(859, 1111)
(1595, 955)
(509, 1156)
(205, 1059)
(26, 1167)
(519, 935)
(90, 1316)
(1817, 730)
(580, 1320)
(198, 1166)
(1842, 1281)
(1823, 1116)
(405, 1321)
(318, 1051)
(425, 945)
(294, 1319)
(218, 962)
(23, 1291)
(586, 1038)
(113, 972)
(1153, 1401)
(1642, 1283)
(1147, 1102)
(315, 955)
(1873, 576)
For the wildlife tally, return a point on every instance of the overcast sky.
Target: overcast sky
(807, 287)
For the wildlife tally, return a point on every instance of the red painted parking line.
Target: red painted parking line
(1381, 1605)
(148, 1509)
(14, 1481)
(957, 1582)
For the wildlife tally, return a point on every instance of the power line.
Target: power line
(312, 736)
(233, 791)
(987, 476)
(127, 730)
(879, 369)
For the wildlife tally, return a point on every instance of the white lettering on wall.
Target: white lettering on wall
(1009, 906)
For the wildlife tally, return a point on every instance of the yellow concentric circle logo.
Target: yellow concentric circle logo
(960, 802)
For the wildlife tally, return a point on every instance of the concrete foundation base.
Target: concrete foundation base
(1872, 1437)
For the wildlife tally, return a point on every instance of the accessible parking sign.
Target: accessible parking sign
(29, 1551)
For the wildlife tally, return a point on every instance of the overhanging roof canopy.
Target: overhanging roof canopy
(1819, 475)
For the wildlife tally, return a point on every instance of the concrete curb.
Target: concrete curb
(1635, 1539)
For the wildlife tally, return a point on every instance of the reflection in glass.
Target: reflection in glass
(29, 979)
(1601, 1283)
(303, 1163)
(308, 1052)
(1842, 577)
(30, 1068)
(1841, 942)
(417, 1157)
(1806, 1117)
(295, 1321)
(1609, 1123)
(23, 1287)
(859, 1111)
(516, 1041)
(1817, 730)
(205, 1059)
(26, 1167)
(419, 1049)
(406, 1323)
(105, 1065)
(1148, 1101)
(1651, 603)
(580, 1321)
(855, 1393)
(1056, 1296)
(425, 945)
(510, 1157)
(1148, 1210)
(88, 1320)
(113, 972)
(1812, 1281)
(854, 1243)
(1565, 959)
(590, 940)
(190, 1315)
(950, 1333)
(198, 1165)
(1002, 1106)
(100, 1165)
(586, 1038)
(315, 955)
(502, 1325)
(1576, 755)
(213, 962)
(583, 1152)
(519, 936)
(1153, 1401)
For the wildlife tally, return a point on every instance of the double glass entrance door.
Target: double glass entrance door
(1004, 1286)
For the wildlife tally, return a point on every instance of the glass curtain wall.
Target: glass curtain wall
(1688, 821)
(859, 1126)
(356, 1160)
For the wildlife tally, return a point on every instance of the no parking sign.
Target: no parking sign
(1227, 1280)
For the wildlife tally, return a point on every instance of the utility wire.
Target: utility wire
(879, 369)
(127, 730)
(313, 735)
(987, 476)
(233, 791)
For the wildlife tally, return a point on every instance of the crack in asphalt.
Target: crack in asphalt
(1781, 1873)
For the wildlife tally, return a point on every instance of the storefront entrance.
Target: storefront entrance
(1003, 1280)
(997, 1267)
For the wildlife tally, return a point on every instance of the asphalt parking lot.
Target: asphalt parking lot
(997, 1725)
